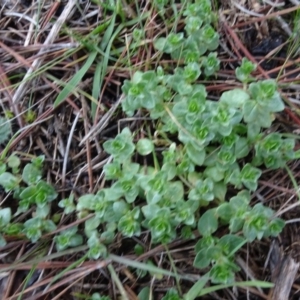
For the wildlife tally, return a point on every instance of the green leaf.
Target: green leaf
(254, 114)
(221, 273)
(241, 148)
(144, 294)
(38, 161)
(225, 211)
(226, 157)
(13, 229)
(197, 155)
(61, 242)
(8, 181)
(269, 145)
(174, 191)
(236, 224)
(257, 222)
(231, 243)
(144, 146)
(220, 189)
(3, 168)
(86, 202)
(13, 161)
(208, 223)
(91, 224)
(5, 216)
(48, 225)
(249, 177)
(160, 44)
(2, 241)
(240, 202)
(120, 207)
(31, 174)
(202, 260)
(75, 240)
(150, 210)
(214, 173)
(42, 211)
(161, 227)
(253, 130)
(186, 233)
(170, 170)
(171, 294)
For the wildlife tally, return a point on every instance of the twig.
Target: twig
(49, 40)
(102, 123)
(66, 154)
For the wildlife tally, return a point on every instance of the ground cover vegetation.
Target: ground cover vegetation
(163, 145)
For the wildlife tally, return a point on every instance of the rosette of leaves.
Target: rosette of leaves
(122, 147)
(40, 194)
(141, 92)
(273, 151)
(68, 238)
(199, 38)
(255, 223)
(243, 73)
(160, 222)
(35, 227)
(96, 247)
(264, 101)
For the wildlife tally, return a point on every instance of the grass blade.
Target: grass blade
(71, 85)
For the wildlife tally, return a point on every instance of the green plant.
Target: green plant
(68, 238)
(30, 191)
(216, 137)
(208, 147)
(97, 296)
(171, 294)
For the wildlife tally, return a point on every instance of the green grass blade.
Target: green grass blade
(108, 33)
(71, 85)
(143, 266)
(294, 181)
(70, 267)
(96, 86)
(242, 284)
(197, 288)
(26, 282)
(101, 66)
